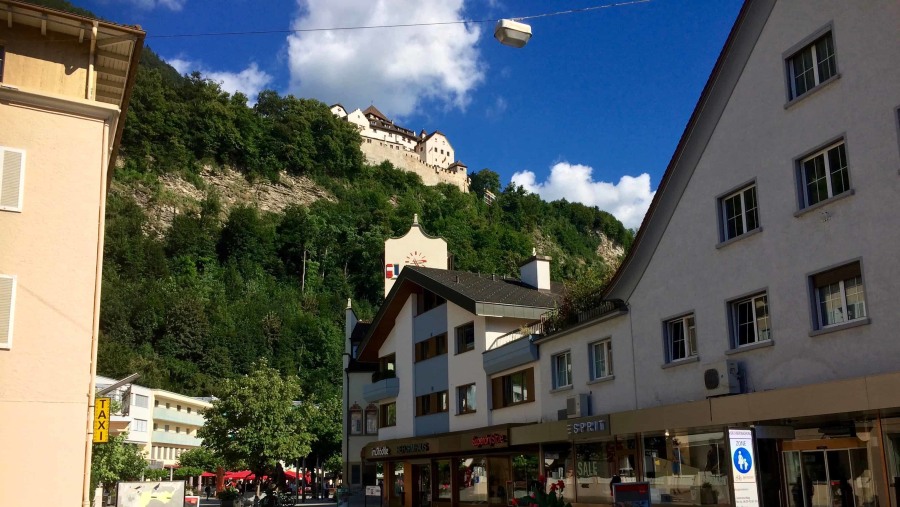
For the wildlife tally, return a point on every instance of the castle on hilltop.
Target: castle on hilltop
(428, 155)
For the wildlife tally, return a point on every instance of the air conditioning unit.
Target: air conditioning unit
(722, 378)
(578, 405)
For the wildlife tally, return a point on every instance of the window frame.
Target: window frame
(606, 345)
(502, 389)
(370, 414)
(138, 425)
(437, 402)
(565, 355)
(734, 320)
(462, 393)
(137, 396)
(823, 151)
(809, 43)
(8, 343)
(432, 347)
(384, 415)
(821, 279)
(459, 338)
(691, 348)
(721, 211)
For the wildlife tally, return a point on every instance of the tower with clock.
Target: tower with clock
(415, 248)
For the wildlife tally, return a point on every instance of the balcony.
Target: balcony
(512, 349)
(384, 385)
(162, 414)
(172, 438)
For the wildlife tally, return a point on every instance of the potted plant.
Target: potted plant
(539, 497)
(229, 496)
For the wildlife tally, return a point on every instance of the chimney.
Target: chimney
(536, 271)
(350, 320)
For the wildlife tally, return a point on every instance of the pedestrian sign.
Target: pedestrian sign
(743, 472)
(743, 462)
(101, 420)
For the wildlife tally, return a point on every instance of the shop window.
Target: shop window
(558, 465)
(513, 389)
(688, 467)
(473, 481)
(388, 415)
(594, 468)
(443, 477)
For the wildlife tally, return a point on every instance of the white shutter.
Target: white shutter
(12, 178)
(7, 303)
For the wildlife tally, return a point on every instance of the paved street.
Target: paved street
(355, 501)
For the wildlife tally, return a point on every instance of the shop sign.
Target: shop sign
(488, 440)
(380, 451)
(743, 468)
(594, 426)
(412, 448)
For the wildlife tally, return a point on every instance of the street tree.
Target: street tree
(115, 461)
(256, 420)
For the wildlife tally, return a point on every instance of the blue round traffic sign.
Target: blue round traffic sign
(743, 463)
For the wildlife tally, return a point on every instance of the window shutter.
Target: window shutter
(12, 172)
(7, 302)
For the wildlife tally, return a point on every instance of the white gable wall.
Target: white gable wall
(758, 137)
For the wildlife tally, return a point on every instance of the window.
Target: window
(465, 399)
(166, 428)
(434, 346)
(178, 407)
(7, 307)
(601, 359)
(465, 338)
(839, 295)
(167, 406)
(681, 338)
(141, 401)
(386, 368)
(739, 212)
(140, 425)
(155, 426)
(12, 176)
(177, 429)
(189, 410)
(562, 370)
(811, 66)
(750, 320)
(371, 420)
(513, 389)
(824, 174)
(388, 415)
(155, 403)
(432, 403)
(2, 59)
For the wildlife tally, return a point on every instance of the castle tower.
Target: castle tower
(415, 248)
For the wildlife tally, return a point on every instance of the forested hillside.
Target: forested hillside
(221, 286)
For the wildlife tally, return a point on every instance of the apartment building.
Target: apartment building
(65, 81)
(176, 419)
(134, 415)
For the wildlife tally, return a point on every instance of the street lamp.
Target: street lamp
(512, 33)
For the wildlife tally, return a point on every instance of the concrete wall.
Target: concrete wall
(52, 248)
(759, 137)
(414, 248)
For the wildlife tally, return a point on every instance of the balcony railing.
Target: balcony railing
(556, 320)
(378, 376)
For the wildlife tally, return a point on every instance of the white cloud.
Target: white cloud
(174, 5)
(249, 81)
(393, 68)
(627, 200)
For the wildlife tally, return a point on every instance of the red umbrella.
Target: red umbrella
(207, 474)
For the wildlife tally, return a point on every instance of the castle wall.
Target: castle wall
(379, 151)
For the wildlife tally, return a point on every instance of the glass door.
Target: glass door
(826, 478)
(424, 485)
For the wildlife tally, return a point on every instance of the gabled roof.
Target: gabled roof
(429, 136)
(712, 102)
(485, 295)
(374, 110)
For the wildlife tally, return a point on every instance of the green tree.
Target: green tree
(203, 459)
(115, 461)
(256, 420)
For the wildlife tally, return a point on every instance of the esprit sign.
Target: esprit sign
(101, 420)
(586, 427)
(488, 440)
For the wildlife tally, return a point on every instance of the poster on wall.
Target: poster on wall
(743, 468)
(150, 494)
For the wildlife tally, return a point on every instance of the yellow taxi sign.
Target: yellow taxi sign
(101, 420)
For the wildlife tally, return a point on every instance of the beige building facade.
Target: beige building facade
(64, 85)
(176, 420)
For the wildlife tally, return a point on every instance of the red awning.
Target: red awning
(207, 474)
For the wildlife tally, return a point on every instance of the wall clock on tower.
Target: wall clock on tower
(416, 258)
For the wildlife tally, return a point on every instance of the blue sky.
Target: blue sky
(590, 110)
